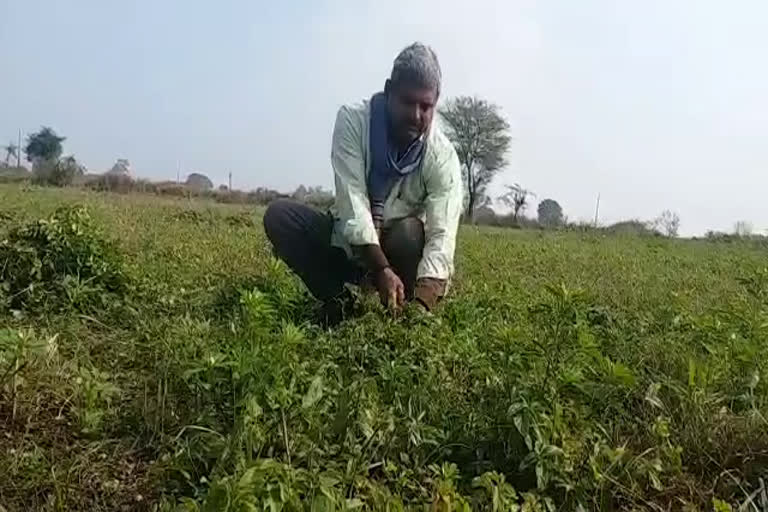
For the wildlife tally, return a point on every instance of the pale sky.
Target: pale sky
(655, 104)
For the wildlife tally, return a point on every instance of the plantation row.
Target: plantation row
(154, 356)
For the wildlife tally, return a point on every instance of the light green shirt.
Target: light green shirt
(433, 192)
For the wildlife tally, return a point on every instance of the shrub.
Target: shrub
(14, 174)
(172, 189)
(58, 173)
(631, 227)
(263, 195)
(192, 216)
(242, 219)
(58, 263)
(485, 216)
(315, 196)
(119, 183)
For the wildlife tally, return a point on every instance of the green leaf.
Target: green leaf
(655, 482)
(314, 393)
(652, 395)
(721, 506)
(322, 504)
(623, 375)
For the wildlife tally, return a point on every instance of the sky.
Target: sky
(653, 105)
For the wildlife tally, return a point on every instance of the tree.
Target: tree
(122, 167)
(299, 193)
(118, 178)
(44, 146)
(550, 213)
(11, 151)
(481, 137)
(667, 223)
(199, 181)
(517, 199)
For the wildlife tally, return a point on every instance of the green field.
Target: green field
(153, 355)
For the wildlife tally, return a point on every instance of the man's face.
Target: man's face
(411, 109)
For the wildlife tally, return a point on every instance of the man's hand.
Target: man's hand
(390, 287)
(428, 291)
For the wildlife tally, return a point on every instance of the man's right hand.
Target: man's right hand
(390, 287)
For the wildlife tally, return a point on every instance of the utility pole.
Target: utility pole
(178, 172)
(230, 181)
(597, 209)
(18, 151)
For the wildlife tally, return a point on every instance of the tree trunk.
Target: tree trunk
(471, 194)
(471, 209)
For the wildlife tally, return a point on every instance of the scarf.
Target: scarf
(386, 166)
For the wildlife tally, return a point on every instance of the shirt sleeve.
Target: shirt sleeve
(443, 211)
(353, 208)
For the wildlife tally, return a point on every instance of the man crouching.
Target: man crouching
(398, 199)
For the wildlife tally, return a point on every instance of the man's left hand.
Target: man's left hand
(428, 291)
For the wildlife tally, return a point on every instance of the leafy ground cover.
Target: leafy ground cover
(153, 356)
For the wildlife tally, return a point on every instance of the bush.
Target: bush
(484, 216)
(315, 196)
(522, 222)
(263, 196)
(631, 227)
(58, 173)
(172, 189)
(119, 183)
(242, 219)
(58, 263)
(14, 174)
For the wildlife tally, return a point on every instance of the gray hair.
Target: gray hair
(417, 65)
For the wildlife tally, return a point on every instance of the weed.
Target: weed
(242, 219)
(192, 216)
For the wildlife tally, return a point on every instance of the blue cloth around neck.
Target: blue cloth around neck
(386, 167)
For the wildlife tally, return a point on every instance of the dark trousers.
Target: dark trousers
(301, 236)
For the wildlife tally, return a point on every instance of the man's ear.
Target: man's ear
(387, 87)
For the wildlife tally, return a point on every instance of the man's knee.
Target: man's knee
(276, 218)
(293, 226)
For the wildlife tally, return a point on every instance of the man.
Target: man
(398, 199)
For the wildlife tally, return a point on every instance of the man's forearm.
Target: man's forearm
(372, 256)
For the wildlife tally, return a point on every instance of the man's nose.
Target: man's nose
(414, 114)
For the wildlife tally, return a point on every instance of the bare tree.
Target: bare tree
(667, 223)
(516, 198)
(480, 135)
